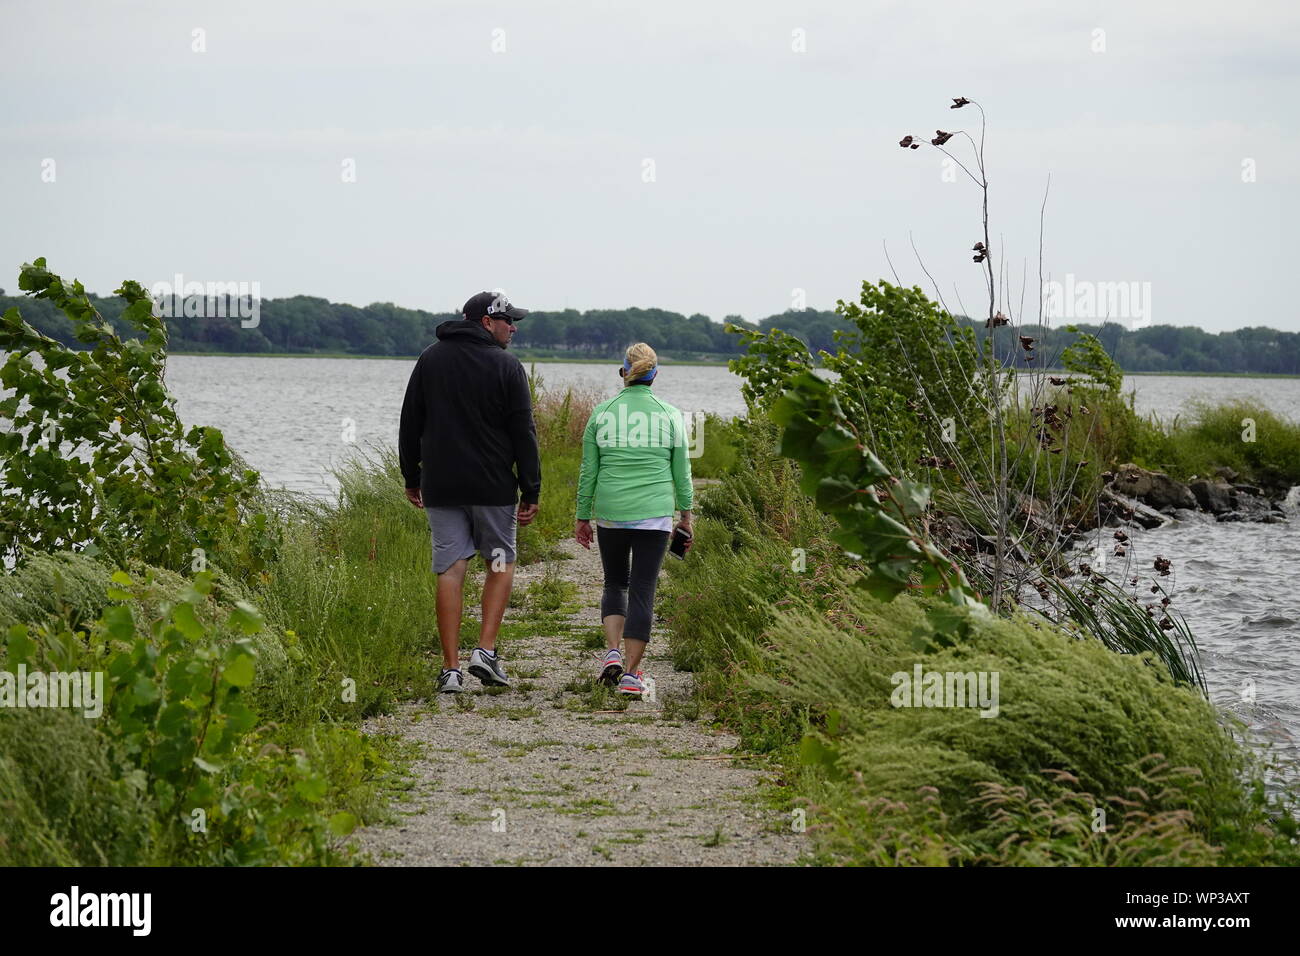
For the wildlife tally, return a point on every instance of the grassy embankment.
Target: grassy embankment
(1094, 758)
(1263, 447)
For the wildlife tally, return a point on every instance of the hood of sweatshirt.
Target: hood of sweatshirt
(463, 330)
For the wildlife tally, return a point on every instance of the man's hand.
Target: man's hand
(413, 496)
(582, 533)
(526, 513)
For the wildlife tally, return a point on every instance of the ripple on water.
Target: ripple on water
(1269, 620)
(1234, 585)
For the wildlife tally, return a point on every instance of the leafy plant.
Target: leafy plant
(771, 360)
(879, 513)
(1087, 356)
(96, 457)
(181, 735)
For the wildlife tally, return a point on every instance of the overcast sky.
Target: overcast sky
(505, 144)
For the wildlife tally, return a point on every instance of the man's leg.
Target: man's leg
(496, 595)
(451, 585)
(493, 527)
(453, 546)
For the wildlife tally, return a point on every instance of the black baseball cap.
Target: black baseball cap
(492, 304)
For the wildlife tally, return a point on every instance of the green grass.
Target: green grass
(62, 803)
(717, 446)
(591, 638)
(799, 662)
(549, 594)
(1215, 435)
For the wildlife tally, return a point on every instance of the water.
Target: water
(1234, 584)
(1169, 395)
(293, 419)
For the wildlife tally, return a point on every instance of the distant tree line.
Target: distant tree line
(306, 324)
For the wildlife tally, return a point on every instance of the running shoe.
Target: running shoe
(631, 684)
(449, 682)
(612, 669)
(486, 666)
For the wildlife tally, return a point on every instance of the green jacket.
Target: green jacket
(634, 459)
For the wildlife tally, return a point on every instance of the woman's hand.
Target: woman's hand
(687, 524)
(582, 533)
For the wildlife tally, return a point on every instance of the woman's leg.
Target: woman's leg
(615, 549)
(648, 550)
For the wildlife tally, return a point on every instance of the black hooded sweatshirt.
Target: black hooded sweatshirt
(467, 435)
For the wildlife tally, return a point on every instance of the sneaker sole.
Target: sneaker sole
(612, 674)
(452, 690)
(485, 675)
(631, 693)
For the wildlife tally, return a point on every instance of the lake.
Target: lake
(295, 418)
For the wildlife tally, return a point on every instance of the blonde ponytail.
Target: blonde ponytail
(641, 358)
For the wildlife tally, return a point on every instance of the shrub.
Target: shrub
(176, 735)
(720, 441)
(133, 483)
(903, 369)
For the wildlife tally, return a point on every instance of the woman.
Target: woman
(635, 471)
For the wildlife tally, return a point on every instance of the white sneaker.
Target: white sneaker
(449, 682)
(632, 685)
(486, 666)
(611, 667)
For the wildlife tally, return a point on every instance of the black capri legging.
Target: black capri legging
(632, 558)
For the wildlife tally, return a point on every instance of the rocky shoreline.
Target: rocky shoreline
(1152, 498)
(1130, 496)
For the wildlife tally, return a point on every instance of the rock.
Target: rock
(1270, 517)
(953, 534)
(1213, 496)
(1248, 506)
(988, 544)
(1227, 474)
(1153, 488)
(1116, 508)
(1038, 518)
(1252, 507)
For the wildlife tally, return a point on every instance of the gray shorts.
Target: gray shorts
(459, 531)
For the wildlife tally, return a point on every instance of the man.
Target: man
(468, 451)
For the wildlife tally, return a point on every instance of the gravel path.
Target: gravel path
(552, 772)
